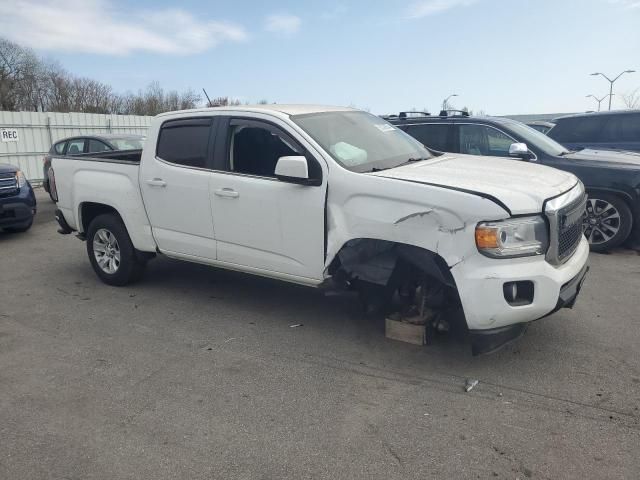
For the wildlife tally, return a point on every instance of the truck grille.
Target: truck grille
(566, 229)
(8, 184)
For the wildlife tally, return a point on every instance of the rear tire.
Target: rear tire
(607, 222)
(111, 252)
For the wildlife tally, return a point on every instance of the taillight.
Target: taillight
(53, 191)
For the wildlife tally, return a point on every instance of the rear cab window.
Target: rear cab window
(186, 142)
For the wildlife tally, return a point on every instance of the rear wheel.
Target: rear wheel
(111, 253)
(607, 221)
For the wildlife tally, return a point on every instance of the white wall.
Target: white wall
(37, 131)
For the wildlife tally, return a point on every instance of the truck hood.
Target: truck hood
(607, 158)
(521, 187)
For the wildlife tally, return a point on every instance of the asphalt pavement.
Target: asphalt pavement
(196, 373)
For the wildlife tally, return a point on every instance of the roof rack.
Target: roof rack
(412, 112)
(457, 113)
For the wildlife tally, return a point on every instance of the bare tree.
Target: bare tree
(631, 99)
(29, 83)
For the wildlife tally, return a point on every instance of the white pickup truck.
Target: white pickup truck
(334, 196)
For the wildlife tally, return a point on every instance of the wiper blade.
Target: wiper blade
(418, 159)
(412, 160)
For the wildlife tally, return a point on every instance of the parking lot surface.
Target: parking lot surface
(196, 373)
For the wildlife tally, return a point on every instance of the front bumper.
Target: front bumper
(18, 210)
(480, 281)
(487, 341)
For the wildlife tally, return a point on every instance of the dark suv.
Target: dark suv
(17, 201)
(612, 179)
(617, 130)
(89, 144)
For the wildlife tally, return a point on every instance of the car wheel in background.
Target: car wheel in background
(607, 221)
(111, 253)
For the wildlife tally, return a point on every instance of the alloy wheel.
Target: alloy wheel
(601, 221)
(106, 251)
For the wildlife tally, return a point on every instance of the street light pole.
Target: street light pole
(446, 100)
(599, 100)
(611, 82)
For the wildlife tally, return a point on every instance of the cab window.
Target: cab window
(185, 142)
(434, 136)
(255, 147)
(483, 140)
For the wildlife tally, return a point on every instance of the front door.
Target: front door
(175, 188)
(261, 222)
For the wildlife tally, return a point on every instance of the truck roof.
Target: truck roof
(291, 109)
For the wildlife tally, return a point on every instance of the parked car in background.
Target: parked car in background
(615, 130)
(612, 179)
(17, 200)
(541, 126)
(324, 196)
(89, 144)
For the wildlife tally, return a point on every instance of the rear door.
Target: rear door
(261, 222)
(175, 187)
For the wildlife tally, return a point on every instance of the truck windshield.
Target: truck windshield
(361, 142)
(537, 139)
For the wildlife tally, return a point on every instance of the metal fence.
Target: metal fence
(28, 136)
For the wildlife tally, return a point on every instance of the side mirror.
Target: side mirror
(294, 169)
(519, 150)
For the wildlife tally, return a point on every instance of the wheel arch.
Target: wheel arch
(376, 259)
(87, 211)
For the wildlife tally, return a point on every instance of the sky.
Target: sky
(499, 56)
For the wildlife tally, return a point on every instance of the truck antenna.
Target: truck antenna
(208, 99)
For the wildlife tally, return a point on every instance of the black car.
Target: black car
(17, 201)
(89, 144)
(615, 130)
(612, 179)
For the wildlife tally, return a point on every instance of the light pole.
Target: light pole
(599, 100)
(446, 100)
(611, 82)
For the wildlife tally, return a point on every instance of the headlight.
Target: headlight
(516, 237)
(21, 179)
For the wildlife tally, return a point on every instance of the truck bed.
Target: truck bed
(109, 178)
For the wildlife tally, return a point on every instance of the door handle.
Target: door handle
(157, 182)
(227, 192)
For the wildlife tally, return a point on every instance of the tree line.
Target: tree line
(30, 83)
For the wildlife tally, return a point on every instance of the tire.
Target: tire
(20, 229)
(111, 253)
(607, 221)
